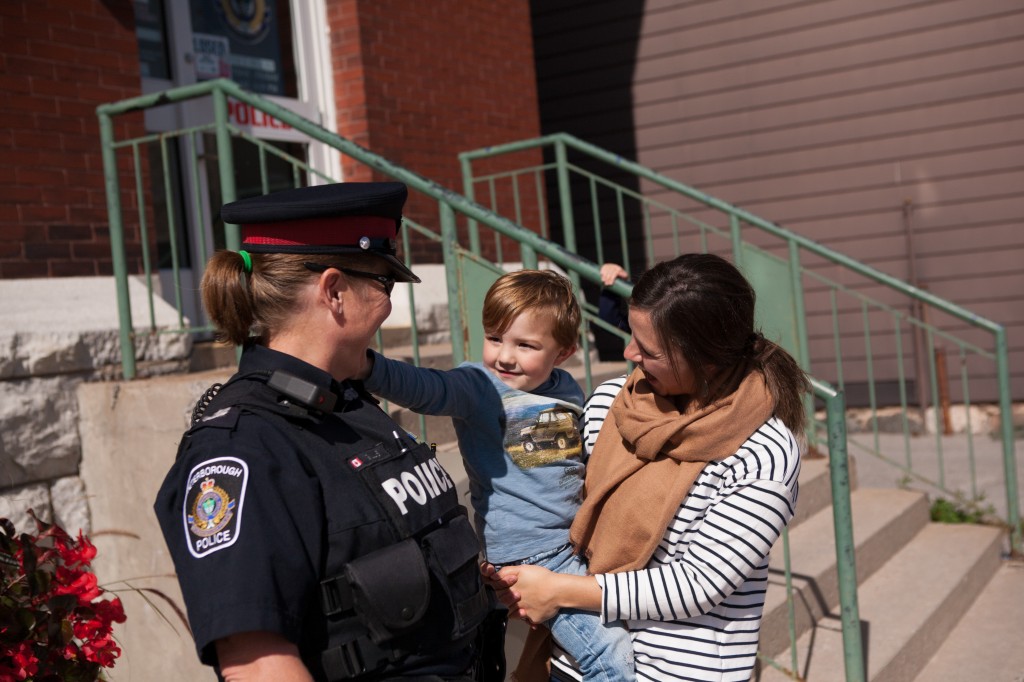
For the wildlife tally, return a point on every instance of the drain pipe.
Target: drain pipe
(916, 309)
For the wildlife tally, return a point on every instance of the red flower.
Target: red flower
(101, 650)
(64, 626)
(79, 583)
(77, 553)
(23, 662)
(109, 610)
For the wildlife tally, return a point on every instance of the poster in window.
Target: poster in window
(240, 38)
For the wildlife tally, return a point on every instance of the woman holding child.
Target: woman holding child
(692, 477)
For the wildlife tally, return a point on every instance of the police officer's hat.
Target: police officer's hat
(344, 218)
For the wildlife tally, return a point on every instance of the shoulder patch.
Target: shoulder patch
(214, 493)
(224, 418)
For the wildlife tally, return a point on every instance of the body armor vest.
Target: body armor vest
(418, 589)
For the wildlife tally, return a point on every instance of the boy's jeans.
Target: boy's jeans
(604, 651)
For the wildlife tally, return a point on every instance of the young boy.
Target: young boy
(516, 419)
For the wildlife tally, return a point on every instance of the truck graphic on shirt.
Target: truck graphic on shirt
(553, 426)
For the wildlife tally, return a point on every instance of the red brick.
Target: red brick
(14, 10)
(13, 232)
(10, 250)
(32, 104)
(71, 233)
(93, 215)
(13, 193)
(34, 176)
(59, 124)
(29, 67)
(68, 196)
(15, 85)
(23, 269)
(91, 250)
(33, 213)
(73, 269)
(44, 250)
(101, 24)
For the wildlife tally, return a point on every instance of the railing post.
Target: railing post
(737, 240)
(797, 287)
(119, 261)
(1006, 430)
(565, 203)
(226, 165)
(468, 191)
(529, 257)
(449, 240)
(842, 516)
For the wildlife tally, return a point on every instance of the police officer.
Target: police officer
(313, 538)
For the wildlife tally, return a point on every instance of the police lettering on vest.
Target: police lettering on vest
(424, 482)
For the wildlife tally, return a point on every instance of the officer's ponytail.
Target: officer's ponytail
(226, 296)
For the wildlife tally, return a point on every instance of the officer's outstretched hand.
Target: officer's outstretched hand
(501, 583)
(535, 597)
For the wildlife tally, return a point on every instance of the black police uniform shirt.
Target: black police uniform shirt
(243, 518)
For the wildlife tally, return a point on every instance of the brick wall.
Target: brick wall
(420, 82)
(59, 60)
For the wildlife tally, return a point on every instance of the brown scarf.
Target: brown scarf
(648, 454)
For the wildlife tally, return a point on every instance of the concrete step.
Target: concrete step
(985, 644)
(907, 608)
(884, 521)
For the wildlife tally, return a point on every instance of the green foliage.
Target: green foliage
(962, 510)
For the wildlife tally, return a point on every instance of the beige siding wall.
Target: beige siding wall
(832, 118)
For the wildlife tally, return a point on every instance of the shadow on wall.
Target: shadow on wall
(585, 57)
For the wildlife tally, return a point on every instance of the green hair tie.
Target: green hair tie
(247, 259)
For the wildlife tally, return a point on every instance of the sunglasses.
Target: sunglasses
(387, 282)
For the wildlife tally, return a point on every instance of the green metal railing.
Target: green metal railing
(865, 331)
(451, 206)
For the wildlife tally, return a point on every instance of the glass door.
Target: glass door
(260, 44)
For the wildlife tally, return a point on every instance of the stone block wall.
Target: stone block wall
(59, 333)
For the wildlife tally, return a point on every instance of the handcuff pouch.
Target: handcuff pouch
(390, 589)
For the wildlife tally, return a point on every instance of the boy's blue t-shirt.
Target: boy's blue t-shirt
(521, 450)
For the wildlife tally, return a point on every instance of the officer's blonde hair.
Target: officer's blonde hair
(257, 304)
(542, 292)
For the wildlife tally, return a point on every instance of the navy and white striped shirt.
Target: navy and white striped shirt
(695, 611)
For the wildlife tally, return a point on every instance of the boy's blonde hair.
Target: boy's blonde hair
(541, 292)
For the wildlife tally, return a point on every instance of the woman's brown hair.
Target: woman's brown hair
(702, 307)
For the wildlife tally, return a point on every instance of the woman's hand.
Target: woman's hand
(536, 594)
